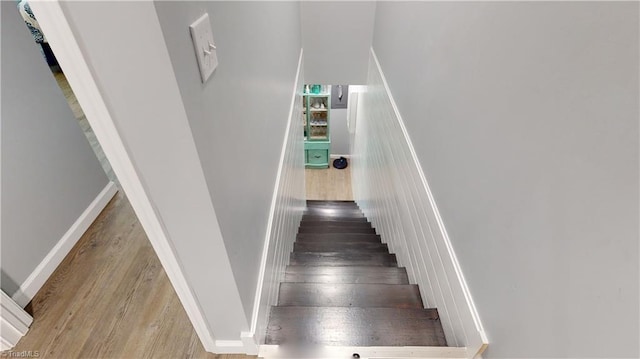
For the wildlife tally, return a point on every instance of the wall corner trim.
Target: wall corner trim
(52, 260)
(250, 345)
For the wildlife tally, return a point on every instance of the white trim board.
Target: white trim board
(229, 347)
(52, 260)
(273, 257)
(401, 206)
(14, 322)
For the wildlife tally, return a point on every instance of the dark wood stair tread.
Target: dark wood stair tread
(336, 220)
(343, 259)
(310, 217)
(335, 229)
(337, 237)
(334, 207)
(335, 224)
(355, 326)
(350, 295)
(346, 274)
(344, 288)
(327, 214)
(341, 246)
(333, 210)
(317, 202)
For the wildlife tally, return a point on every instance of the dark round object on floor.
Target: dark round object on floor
(340, 163)
(356, 355)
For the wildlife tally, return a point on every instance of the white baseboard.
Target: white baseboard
(246, 345)
(229, 347)
(338, 156)
(43, 271)
(250, 345)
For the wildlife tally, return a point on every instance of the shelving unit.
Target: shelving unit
(316, 115)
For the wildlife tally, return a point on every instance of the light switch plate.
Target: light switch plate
(203, 44)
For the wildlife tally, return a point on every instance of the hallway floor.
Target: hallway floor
(111, 298)
(329, 184)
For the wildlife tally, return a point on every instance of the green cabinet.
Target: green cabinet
(316, 129)
(316, 154)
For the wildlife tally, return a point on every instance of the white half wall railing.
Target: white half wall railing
(392, 190)
(287, 205)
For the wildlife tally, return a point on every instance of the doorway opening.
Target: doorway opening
(327, 117)
(47, 53)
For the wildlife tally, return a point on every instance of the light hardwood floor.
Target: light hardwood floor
(329, 184)
(110, 298)
(61, 79)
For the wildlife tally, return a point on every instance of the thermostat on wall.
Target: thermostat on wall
(205, 47)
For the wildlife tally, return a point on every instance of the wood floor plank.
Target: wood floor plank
(114, 327)
(343, 259)
(346, 274)
(349, 295)
(354, 326)
(328, 184)
(156, 308)
(79, 317)
(163, 341)
(50, 306)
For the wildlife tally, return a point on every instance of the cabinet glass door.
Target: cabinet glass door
(304, 115)
(318, 118)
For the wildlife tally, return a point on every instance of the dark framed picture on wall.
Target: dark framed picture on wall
(339, 96)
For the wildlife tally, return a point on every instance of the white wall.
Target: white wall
(336, 36)
(288, 203)
(239, 116)
(50, 175)
(524, 117)
(339, 132)
(390, 187)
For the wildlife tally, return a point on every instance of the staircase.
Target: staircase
(344, 288)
